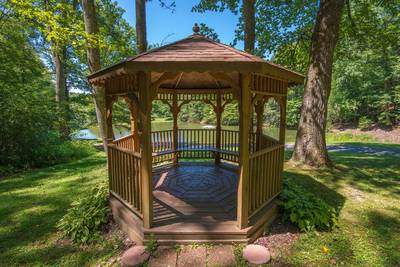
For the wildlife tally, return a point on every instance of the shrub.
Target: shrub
(83, 220)
(365, 123)
(46, 155)
(62, 152)
(306, 210)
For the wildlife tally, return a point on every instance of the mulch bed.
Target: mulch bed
(279, 240)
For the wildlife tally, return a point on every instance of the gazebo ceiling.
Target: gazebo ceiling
(194, 56)
(195, 80)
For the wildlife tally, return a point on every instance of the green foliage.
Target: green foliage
(83, 220)
(151, 246)
(366, 82)
(230, 116)
(208, 32)
(29, 121)
(197, 111)
(306, 210)
(216, 5)
(118, 36)
(178, 248)
(121, 113)
(161, 110)
(238, 253)
(364, 123)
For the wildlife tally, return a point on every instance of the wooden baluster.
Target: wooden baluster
(126, 175)
(282, 126)
(119, 170)
(128, 178)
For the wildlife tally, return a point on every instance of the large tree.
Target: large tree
(310, 147)
(93, 58)
(248, 13)
(141, 32)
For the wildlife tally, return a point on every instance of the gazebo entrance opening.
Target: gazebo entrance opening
(158, 187)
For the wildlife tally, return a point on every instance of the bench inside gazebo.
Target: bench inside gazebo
(156, 190)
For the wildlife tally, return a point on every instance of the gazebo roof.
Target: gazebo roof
(197, 53)
(195, 48)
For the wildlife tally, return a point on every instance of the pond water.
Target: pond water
(92, 133)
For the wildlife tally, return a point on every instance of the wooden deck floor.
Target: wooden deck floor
(193, 203)
(195, 194)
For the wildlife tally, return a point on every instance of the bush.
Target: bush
(83, 220)
(48, 154)
(306, 210)
(57, 153)
(365, 123)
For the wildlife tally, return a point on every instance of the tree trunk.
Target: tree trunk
(249, 25)
(141, 35)
(93, 57)
(58, 57)
(310, 147)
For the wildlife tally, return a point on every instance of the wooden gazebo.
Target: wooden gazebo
(156, 194)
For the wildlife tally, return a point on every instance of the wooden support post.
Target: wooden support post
(145, 145)
(282, 124)
(259, 108)
(218, 114)
(243, 187)
(109, 126)
(175, 112)
(133, 108)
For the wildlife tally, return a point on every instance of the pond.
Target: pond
(92, 133)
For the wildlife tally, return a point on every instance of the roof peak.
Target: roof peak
(196, 29)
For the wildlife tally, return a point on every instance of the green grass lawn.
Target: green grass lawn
(365, 188)
(31, 204)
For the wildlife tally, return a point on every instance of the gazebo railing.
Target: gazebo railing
(125, 142)
(125, 176)
(266, 162)
(266, 167)
(267, 141)
(195, 143)
(196, 139)
(162, 140)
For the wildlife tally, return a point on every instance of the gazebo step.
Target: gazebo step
(194, 231)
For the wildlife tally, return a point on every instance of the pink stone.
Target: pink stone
(134, 256)
(256, 254)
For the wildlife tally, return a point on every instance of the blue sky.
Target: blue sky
(165, 26)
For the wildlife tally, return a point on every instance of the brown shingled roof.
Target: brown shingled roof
(197, 53)
(195, 48)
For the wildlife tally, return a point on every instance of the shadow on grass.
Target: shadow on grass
(370, 173)
(366, 172)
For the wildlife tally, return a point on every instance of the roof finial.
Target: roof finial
(196, 29)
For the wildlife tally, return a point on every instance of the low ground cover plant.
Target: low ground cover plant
(306, 210)
(82, 222)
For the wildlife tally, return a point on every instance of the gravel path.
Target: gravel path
(393, 151)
